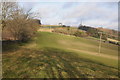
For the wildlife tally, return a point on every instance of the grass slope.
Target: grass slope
(50, 55)
(79, 45)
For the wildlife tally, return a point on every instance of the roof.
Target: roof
(113, 40)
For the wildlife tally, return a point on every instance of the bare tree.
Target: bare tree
(18, 22)
(22, 26)
(7, 9)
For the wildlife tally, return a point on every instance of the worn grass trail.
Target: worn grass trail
(48, 57)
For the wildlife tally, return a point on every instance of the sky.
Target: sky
(95, 14)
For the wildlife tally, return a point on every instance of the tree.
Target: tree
(80, 34)
(22, 27)
(68, 28)
(7, 9)
(20, 23)
(63, 25)
(60, 24)
(93, 32)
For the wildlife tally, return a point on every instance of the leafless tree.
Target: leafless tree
(7, 9)
(18, 22)
(22, 26)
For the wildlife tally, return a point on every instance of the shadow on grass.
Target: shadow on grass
(53, 63)
(11, 45)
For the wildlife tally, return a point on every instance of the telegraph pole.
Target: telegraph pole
(100, 41)
(81, 21)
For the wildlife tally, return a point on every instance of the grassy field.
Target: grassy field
(53, 55)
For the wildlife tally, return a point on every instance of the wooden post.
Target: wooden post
(100, 41)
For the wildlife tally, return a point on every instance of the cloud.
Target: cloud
(65, 0)
(48, 10)
(95, 14)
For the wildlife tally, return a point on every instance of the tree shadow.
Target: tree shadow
(54, 63)
(11, 45)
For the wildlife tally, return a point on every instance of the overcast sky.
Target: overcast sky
(96, 14)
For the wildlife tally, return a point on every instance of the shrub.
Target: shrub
(80, 34)
(20, 24)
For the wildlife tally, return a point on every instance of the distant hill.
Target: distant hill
(109, 31)
(94, 32)
(49, 26)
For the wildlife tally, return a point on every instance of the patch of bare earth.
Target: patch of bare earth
(45, 30)
(94, 53)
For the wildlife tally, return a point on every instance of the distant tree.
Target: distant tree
(60, 24)
(80, 26)
(63, 25)
(93, 32)
(68, 28)
(85, 28)
(80, 34)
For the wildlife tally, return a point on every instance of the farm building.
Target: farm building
(112, 41)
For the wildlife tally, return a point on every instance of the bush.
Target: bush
(21, 29)
(20, 25)
(80, 34)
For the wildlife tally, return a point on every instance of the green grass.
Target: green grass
(63, 42)
(52, 63)
(50, 26)
(58, 41)
(52, 55)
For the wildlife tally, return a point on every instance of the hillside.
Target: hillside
(94, 32)
(109, 31)
(53, 55)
